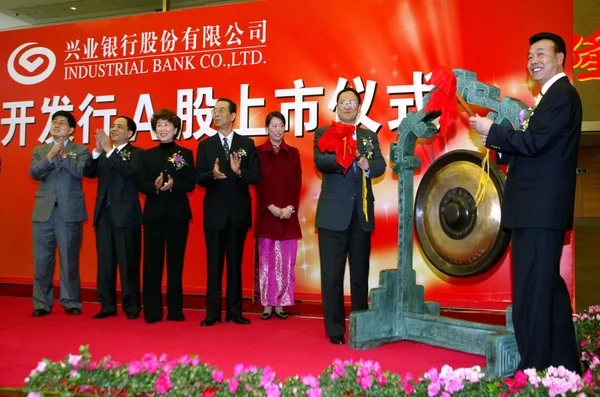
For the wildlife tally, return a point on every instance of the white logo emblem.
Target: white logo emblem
(31, 60)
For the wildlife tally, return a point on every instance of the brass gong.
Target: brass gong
(458, 238)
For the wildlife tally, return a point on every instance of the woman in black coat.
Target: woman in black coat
(166, 176)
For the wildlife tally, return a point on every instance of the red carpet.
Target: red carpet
(295, 346)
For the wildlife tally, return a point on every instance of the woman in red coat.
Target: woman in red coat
(277, 228)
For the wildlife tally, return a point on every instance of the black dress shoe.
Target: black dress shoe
(179, 317)
(337, 339)
(281, 315)
(238, 320)
(266, 316)
(150, 320)
(40, 313)
(133, 316)
(103, 314)
(73, 311)
(210, 321)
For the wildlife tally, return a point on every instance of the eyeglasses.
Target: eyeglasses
(347, 103)
(61, 123)
(220, 110)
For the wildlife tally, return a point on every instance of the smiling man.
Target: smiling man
(227, 164)
(58, 215)
(344, 228)
(117, 218)
(538, 207)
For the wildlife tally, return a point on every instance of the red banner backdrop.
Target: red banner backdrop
(292, 56)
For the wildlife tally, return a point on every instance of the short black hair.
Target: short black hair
(131, 125)
(274, 115)
(232, 105)
(559, 43)
(348, 89)
(68, 115)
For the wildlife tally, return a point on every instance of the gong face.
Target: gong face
(459, 238)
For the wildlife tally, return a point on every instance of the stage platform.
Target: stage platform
(294, 346)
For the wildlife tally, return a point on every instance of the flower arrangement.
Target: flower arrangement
(368, 146)
(526, 114)
(239, 153)
(125, 154)
(188, 376)
(177, 160)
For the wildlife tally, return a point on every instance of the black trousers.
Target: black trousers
(334, 247)
(157, 234)
(542, 314)
(228, 242)
(122, 247)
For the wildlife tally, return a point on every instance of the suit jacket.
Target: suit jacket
(60, 183)
(117, 184)
(341, 193)
(540, 186)
(227, 198)
(280, 183)
(171, 204)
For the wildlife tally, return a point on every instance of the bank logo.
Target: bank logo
(32, 60)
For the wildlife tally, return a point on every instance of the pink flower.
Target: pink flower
(249, 388)
(408, 387)
(272, 390)
(149, 357)
(588, 377)
(366, 382)
(32, 394)
(74, 359)
(92, 366)
(310, 380)
(195, 361)
(163, 357)
(217, 375)
(433, 389)
(314, 392)
(238, 369)
(185, 360)
(163, 383)
(41, 366)
(233, 385)
(73, 373)
(135, 367)
(267, 377)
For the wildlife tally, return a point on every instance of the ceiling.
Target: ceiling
(26, 13)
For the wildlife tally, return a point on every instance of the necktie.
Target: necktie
(226, 147)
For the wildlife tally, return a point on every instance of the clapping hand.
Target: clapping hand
(158, 182)
(102, 142)
(168, 185)
(217, 174)
(57, 150)
(235, 162)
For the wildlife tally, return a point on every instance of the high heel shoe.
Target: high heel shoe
(266, 316)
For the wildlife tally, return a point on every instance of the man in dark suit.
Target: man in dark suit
(117, 219)
(58, 216)
(344, 228)
(538, 207)
(226, 165)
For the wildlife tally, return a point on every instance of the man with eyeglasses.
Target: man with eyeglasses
(227, 164)
(344, 227)
(58, 216)
(117, 218)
